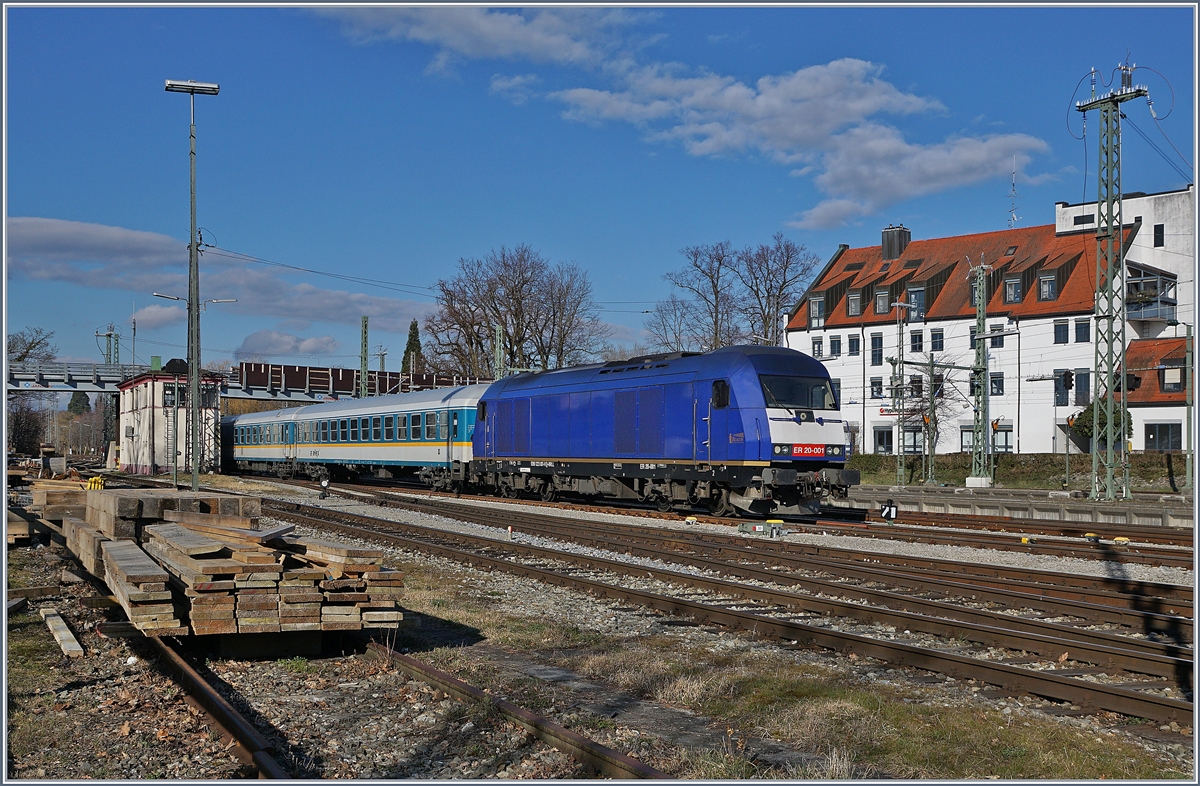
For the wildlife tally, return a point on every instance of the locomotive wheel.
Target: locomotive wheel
(548, 493)
(719, 505)
(664, 504)
(508, 492)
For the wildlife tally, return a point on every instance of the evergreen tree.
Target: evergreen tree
(80, 403)
(413, 357)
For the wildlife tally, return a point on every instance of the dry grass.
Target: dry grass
(849, 730)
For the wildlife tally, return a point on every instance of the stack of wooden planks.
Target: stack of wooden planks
(122, 513)
(359, 592)
(56, 500)
(140, 586)
(85, 543)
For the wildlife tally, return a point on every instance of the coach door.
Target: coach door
(452, 452)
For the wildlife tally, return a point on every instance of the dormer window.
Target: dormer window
(1047, 288)
(881, 302)
(854, 304)
(885, 267)
(816, 312)
(1010, 251)
(1012, 290)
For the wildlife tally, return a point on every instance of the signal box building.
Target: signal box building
(154, 422)
(1041, 292)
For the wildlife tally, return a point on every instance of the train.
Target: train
(745, 429)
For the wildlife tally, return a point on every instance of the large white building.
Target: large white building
(1041, 291)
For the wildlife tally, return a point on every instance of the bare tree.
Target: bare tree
(673, 325)
(709, 276)
(547, 316)
(772, 278)
(27, 411)
(610, 352)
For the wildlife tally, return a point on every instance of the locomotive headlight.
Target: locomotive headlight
(783, 450)
(833, 450)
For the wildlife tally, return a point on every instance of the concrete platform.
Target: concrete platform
(1166, 510)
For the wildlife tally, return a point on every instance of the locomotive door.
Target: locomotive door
(702, 421)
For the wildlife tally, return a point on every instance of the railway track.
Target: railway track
(1146, 545)
(996, 654)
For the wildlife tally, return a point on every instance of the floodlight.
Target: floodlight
(190, 86)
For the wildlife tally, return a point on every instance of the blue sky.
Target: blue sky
(388, 143)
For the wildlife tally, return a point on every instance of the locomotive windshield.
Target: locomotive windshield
(798, 392)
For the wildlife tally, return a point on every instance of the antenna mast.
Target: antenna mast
(1013, 196)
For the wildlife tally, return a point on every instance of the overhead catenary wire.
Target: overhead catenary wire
(1156, 148)
(411, 289)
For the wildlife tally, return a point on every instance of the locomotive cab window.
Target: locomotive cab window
(481, 411)
(798, 392)
(720, 394)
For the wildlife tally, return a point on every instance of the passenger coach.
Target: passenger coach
(426, 433)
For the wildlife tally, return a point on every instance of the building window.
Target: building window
(914, 441)
(1164, 436)
(1172, 379)
(853, 345)
(1083, 387)
(1060, 331)
(816, 312)
(1047, 288)
(883, 439)
(881, 302)
(917, 340)
(937, 340)
(854, 304)
(972, 385)
(876, 387)
(1012, 290)
(876, 349)
(917, 385)
(972, 337)
(817, 347)
(939, 385)
(1081, 220)
(1083, 331)
(1002, 439)
(966, 438)
(836, 384)
(1160, 235)
(975, 294)
(835, 345)
(916, 302)
(997, 341)
(997, 386)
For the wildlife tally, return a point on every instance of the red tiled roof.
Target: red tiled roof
(1142, 358)
(1038, 251)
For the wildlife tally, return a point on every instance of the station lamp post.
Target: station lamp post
(193, 351)
(193, 408)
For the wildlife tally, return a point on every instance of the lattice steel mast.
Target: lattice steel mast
(1110, 464)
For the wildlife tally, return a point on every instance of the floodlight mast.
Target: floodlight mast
(191, 87)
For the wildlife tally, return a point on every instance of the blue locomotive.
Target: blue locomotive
(755, 429)
(749, 428)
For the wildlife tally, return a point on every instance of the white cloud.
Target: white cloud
(822, 117)
(517, 89)
(271, 343)
(560, 35)
(104, 257)
(156, 316)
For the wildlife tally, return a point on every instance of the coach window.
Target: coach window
(322, 431)
(443, 426)
(365, 429)
(377, 428)
(402, 427)
(344, 428)
(720, 394)
(388, 430)
(431, 420)
(414, 426)
(354, 429)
